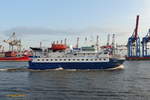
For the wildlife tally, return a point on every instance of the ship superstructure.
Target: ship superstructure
(87, 57)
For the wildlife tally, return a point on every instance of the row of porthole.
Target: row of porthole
(70, 59)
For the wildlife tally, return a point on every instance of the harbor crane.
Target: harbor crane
(145, 42)
(12, 41)
(134, 42)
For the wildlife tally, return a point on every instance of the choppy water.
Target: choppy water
(19, 83)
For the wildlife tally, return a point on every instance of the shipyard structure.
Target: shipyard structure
(138, 49)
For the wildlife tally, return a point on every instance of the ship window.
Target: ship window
(75, 54)
(69, 59)
(64, 59)
(95, 59)
(105, 53)
(86, 59)
(60, 59)
(82, 59)
(42, 59)
(38, 59)
(91, 59)
(99, 59)
(77, 59)
(51, 59)
(104, 59)
(55, 59)
(73, 59)
(46, 59)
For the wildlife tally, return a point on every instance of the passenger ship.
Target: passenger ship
(77, 58)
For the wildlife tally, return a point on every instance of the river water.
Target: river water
(130, 83)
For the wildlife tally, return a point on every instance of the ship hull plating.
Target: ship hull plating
(75, 65)
(137, 58)
(15, 59)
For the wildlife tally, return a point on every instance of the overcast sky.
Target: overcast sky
(51, 20)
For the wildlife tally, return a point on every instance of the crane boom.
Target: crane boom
(136, 28)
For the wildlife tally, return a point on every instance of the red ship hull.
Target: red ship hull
(18, 59)
(137, 58)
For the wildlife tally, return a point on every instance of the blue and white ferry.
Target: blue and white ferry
(83, 58)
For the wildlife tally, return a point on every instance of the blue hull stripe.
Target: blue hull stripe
(74, 65)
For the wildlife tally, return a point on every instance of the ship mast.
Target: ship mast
(97, 42)
(108, 39)
(77, 45)
(113, 44)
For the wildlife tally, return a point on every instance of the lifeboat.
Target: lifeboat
(56, 47)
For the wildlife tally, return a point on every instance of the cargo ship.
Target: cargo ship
(11, 54)
(61, 57)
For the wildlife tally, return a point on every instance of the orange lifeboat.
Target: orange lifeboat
(58, 47)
